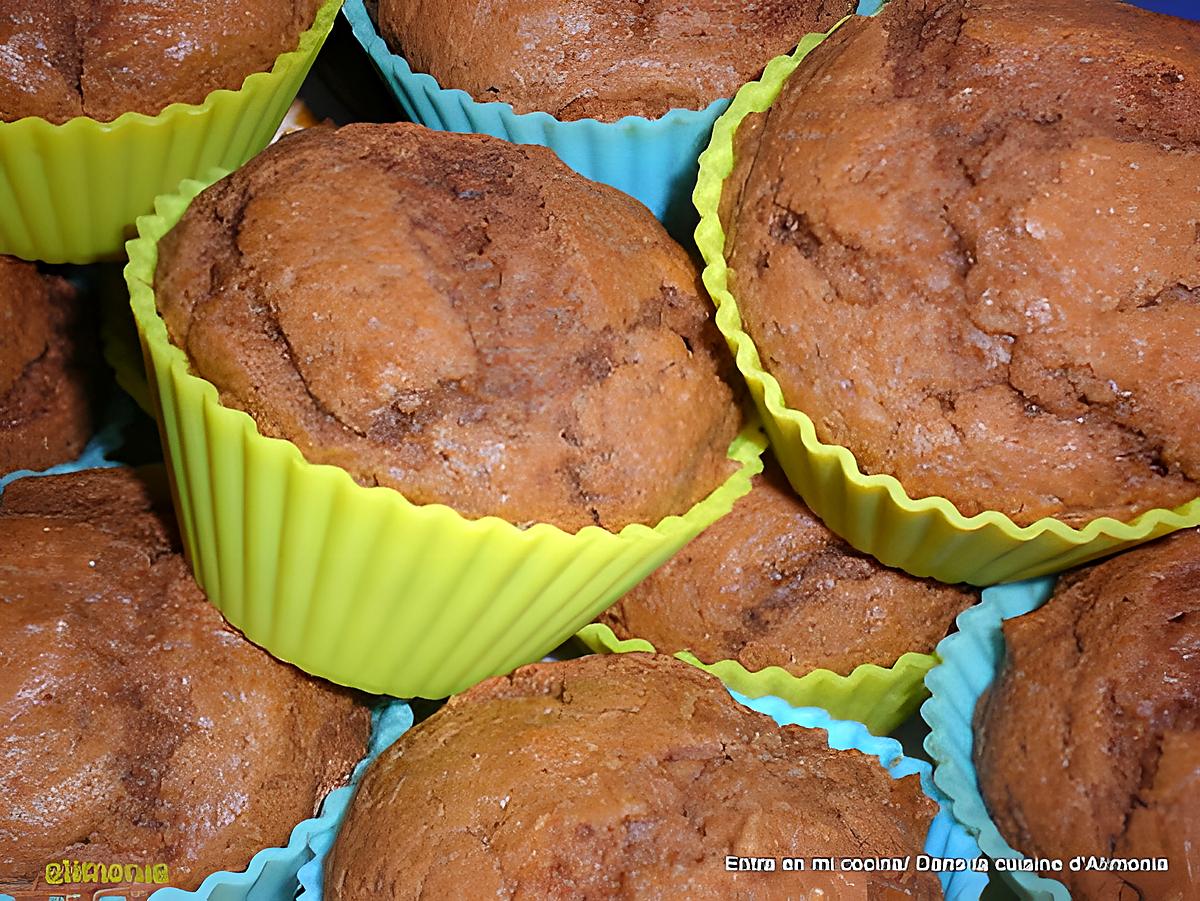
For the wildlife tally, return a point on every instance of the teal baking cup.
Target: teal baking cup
(654, 160)
(271, 874)
(879, 697)
(971, 657)
(946, 838)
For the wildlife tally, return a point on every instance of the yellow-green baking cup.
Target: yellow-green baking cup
(359, 585)
(926, 536)
(880, 697)
(70, 193)
(119, 337)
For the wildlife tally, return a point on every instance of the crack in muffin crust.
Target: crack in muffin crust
(510, 339)
(906, 248)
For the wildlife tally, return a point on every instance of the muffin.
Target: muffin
(47, 354)
(770, 585)
(629, 775)
(963, 240)
(139, 728)
(590, 59)
(1088, 742)
(100, 58)
(507, 338)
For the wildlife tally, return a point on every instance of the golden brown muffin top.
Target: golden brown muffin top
(101, 58)
(599, 59)
(48, 368)
(139, 728)
(964, 241)
(1088, 742)
(619, 776)
(459, 318)
(769, 585)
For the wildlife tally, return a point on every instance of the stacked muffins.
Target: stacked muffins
(432, 403)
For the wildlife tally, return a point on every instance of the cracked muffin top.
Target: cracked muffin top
(769, 585)
(127, 740)
(599, 59)
(1088, 742)
(964, 240)
(618, 776)
(100, 58)
(459, 318)
(48, 355)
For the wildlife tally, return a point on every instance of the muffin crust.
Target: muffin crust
(48, 361)
(139, 728)
(599, 59)
(964, 241)
(101, 58)
(508, 338)
(620, 776)
(769, 585)
(1088, 742)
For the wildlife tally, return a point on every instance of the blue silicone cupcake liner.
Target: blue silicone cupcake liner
(971, 657)
(119, 413)
(271, 874)
(946, 837)
(655, 160)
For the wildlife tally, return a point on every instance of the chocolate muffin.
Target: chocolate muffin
(100, 58)
(578, 59)
(964, 241)
(1088, 743)
(138, 727)
(620, 776)
(506, 337)
(47, 356)
(769, 585)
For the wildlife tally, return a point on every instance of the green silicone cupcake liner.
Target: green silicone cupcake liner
(358, 584)
(970, 660)
(70, 193)
(653, 160)
(880, 697)
(119, 339)
(925, 536)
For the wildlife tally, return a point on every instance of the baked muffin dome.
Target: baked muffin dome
(1088, 742)
(964, 242)
(578, 59)
(459, 318)
(101, 58)
(769, 585)
(619, 776)
(47, 354)
(139, 728)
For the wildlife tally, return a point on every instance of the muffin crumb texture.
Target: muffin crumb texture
(614, 776)
(139, 728)
(599, 59)
(964, 240)
(1088, 743)
(100, 58)
(506, 338)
